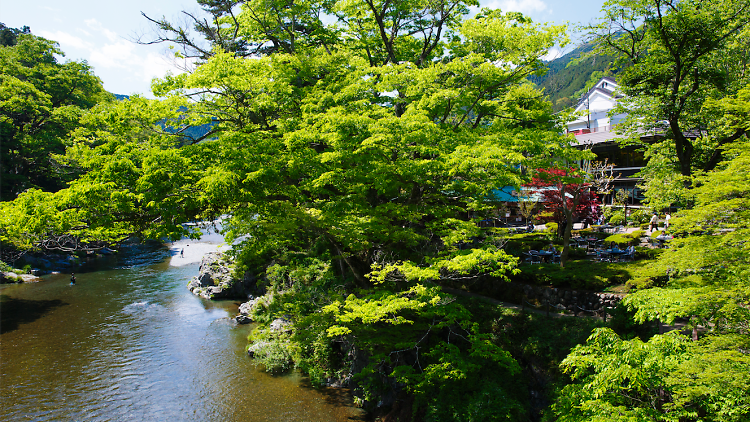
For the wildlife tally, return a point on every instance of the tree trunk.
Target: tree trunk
(684, 149)
(568, 227)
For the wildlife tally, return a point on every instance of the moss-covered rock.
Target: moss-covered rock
(216, 280)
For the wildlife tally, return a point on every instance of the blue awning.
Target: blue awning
(511, 194)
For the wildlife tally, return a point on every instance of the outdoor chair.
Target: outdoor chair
(535, 258)
(630, 255)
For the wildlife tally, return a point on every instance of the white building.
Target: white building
(595, 129)
(594, 108)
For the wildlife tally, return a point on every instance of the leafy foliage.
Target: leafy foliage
(41, 103)
(701, 279)
(378, 151)
(679, 54)
(566, 196)
(667, 378)
(708, 260)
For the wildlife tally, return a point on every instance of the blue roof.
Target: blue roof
(510, 194)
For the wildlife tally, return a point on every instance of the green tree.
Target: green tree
(702, 279)
(9, 36)
(382, 143)
(668, 378)
(133, 180)
(369, 149)
(678, 54)
(41, 102)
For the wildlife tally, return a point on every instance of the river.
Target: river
(129, 342)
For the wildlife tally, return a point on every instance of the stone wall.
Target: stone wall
(569, 300)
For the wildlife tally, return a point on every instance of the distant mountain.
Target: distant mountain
(565, 81)
(191, 133)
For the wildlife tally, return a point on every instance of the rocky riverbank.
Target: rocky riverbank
(11, 277)
(216, 280)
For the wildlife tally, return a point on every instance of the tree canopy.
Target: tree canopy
(41, 102)
(675, 57)
(702, 279)
(379, 141)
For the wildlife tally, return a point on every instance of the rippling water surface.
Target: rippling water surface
(129, 342)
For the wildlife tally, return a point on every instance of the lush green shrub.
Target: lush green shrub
(7, 268)
(590, 231)
(617, 218)
(577, 253)
(272, 350)
(624, 239)
(647, 253)
(637, 234)
(640, 216)
(580, 274)
(550, 227)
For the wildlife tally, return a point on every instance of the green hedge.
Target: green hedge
(577, 274)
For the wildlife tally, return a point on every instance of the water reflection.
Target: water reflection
(15, 311)
(132, 343)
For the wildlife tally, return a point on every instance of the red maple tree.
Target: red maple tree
(566, 198)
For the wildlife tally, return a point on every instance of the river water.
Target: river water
(129, 342)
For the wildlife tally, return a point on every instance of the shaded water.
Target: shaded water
(132, 343)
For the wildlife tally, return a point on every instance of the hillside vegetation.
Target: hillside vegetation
(355, 167)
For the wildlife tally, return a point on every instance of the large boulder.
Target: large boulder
(215, 280)
(245, 311)
(281, 325)
(11, 277)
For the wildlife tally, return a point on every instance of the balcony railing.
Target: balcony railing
(607, 128)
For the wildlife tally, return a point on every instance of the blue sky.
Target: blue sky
(101, 32)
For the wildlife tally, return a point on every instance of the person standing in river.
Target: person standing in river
(72, 279)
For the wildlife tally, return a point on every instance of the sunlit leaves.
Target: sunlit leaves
(667, 378)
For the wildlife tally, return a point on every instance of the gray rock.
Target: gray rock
(243, 319)
(245, 310)
(281, 324)
(215, 280)
(256, 347)
(30, 278)
(8, 277)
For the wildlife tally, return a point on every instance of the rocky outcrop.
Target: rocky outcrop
(215, 280)
(245, 312)
(11, 277)
(256, 347)
(281, 325)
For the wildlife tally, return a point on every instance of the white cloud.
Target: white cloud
(118, 61)
(66, 40)
(97, 26)
(156, 66)
(523, 6)
(552, 54)
(119, 54)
